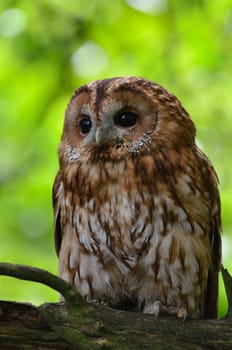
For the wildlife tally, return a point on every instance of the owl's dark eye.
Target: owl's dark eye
(126, 119)
(85, 125)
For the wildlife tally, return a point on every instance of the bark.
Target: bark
(74, 324)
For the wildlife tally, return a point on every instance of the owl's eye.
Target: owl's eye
(126, 119)
(85, 125)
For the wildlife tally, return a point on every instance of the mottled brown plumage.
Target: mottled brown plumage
(136, 204)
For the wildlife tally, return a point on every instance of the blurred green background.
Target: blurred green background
(48, 48)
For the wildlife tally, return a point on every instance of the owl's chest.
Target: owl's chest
(112, 211)
(116, 220)
(117, 208)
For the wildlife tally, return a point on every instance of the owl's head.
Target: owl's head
(123, 117)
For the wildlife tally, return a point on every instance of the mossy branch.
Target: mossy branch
(76, 325)
(227, 279)
(35, 274)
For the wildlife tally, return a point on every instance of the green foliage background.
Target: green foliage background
(48, 48)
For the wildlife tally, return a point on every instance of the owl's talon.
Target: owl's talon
(91, 301)
(94, 301)
(182, 313)
(153, 308)
(157, 308)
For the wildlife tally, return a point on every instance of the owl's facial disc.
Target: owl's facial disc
(121, 119)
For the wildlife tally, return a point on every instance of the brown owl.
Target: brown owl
(136, 203)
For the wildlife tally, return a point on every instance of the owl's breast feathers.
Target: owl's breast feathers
(149, 226)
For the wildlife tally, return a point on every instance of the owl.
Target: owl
(136, 202)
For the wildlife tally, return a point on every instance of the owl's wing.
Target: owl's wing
(56, 210)
(211, 298)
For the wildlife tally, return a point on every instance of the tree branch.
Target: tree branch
(77, 325)
(227, 279)
(42, 276)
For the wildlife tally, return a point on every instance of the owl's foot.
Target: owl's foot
(94, 301)
(181, 312)
(154, 308)
(157, 309)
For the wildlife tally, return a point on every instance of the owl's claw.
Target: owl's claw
(91, 301)
(94, 301)
(157, 308)
(154, 309)
(180, 312)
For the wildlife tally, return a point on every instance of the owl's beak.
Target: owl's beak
(99, 136)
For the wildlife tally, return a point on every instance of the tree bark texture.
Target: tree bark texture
(77, 325)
